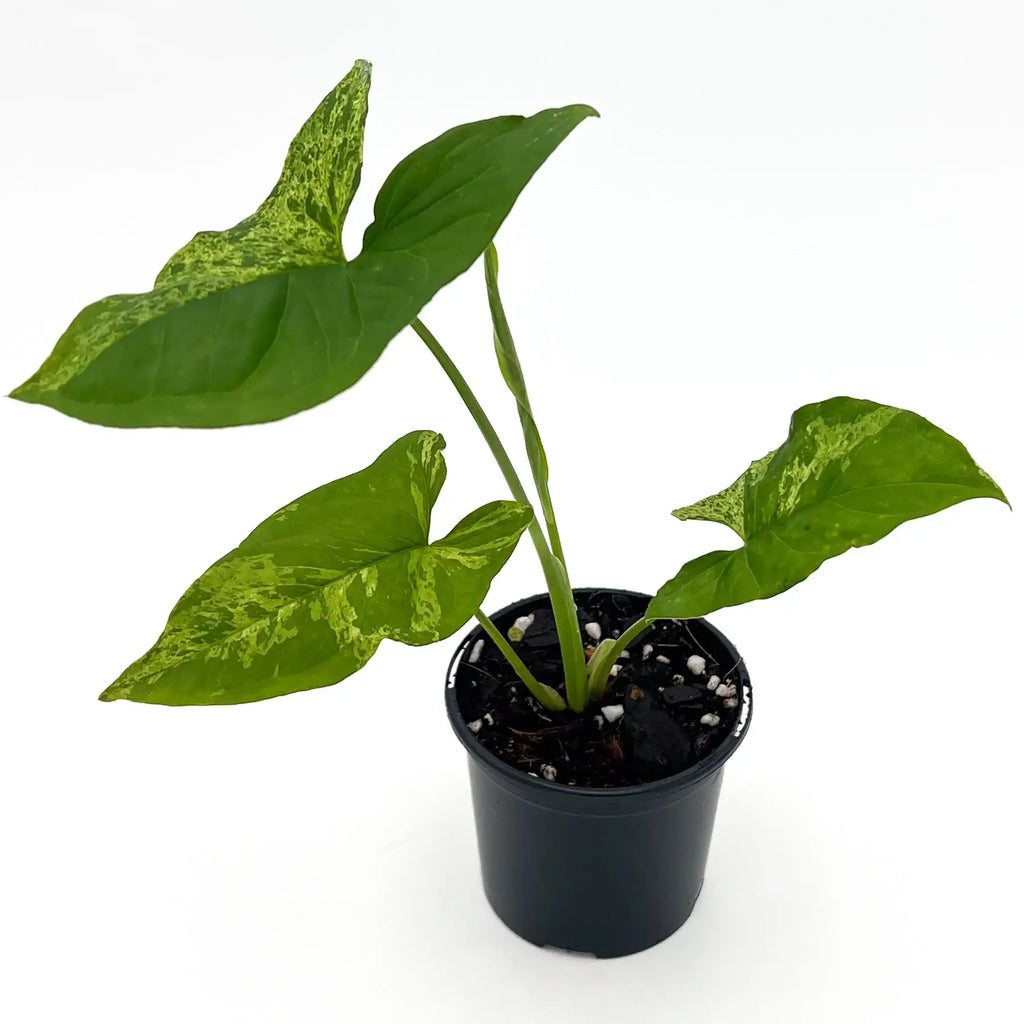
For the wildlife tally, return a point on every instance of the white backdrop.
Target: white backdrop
(781, 202)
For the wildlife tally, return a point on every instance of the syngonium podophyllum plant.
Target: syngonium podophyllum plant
(270, 317)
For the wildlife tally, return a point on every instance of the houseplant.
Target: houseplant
(269, 318)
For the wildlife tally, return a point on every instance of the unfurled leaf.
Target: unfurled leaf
(849, 473)
(268, 318)
(209, 344)
(307, 597)
(444, 202)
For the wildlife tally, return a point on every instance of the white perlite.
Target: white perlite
(476, 725)
(593, 630)
(518, 628)
(696, 664)
(624, 654)
(612, 712)
(474, 655)
(726, 690)
(663, 659)
(648, 651)
(710, 719)
(614, 670)
(488, 719)
(731, 702)
(600, 721)
(549, 772)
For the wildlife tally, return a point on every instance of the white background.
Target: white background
(781, 202)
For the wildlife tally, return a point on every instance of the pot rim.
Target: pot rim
(671, 784)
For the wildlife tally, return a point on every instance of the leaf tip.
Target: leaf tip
(362, 69)
(31, 394)
(491, 259)
(119, 689)
(577, 112)
(20, 393)
(1000, 494)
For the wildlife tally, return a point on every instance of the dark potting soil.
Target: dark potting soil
(672, 714)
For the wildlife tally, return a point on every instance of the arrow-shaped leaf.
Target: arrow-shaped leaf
(850, 472)
(268, 318)
(307, 597)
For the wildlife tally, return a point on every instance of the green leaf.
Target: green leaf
(307, 597)
(849, 473)
(268, 318)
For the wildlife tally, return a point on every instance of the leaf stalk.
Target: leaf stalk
(562, 603)
(601, 664)
(547, 695)
(512, 371)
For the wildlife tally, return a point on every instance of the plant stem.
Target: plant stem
(562, 604)
(512, 371)
(600, 670)
(508, 471)
(548, 696)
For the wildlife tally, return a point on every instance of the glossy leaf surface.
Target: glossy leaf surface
(307, 597)
(268, 318)
(850, 472)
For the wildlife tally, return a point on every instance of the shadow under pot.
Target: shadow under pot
(594, 829)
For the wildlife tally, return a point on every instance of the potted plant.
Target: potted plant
(597, 722)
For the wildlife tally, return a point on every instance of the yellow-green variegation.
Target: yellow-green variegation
(850, 472)
(269, 317)
(307, 597)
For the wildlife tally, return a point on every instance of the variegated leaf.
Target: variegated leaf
(307, 597)
(850, 472)
(268, 318)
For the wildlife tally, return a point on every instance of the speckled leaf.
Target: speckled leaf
(307, 597)
(850, 472)
(268, 318)
(230, 306)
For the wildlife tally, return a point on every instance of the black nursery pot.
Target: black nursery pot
(603, 871)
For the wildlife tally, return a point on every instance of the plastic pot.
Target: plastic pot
(602, 871)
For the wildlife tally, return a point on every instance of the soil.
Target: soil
(660, 731)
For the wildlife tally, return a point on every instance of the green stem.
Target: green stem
(512, 371)
(562, 604)
(600, 669)
(508, 471)
(548, 696)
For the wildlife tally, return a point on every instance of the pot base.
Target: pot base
(604, 885)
